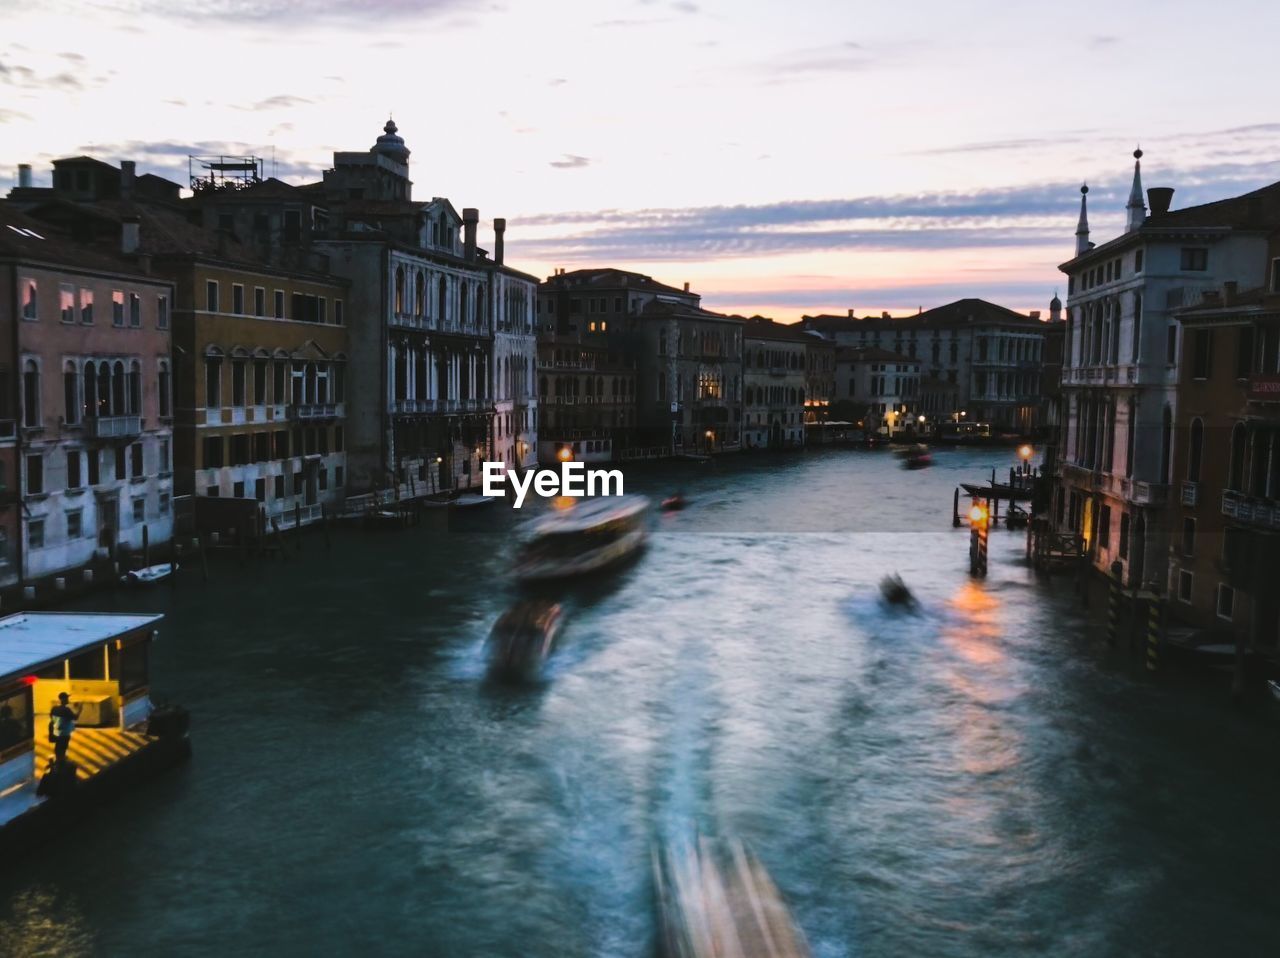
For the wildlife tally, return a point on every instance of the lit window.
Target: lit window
(86, 305)
(117, 307)
(30, 299)
(67, 302)
(162, 312)
(135, 310)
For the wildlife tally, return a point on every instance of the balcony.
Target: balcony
(1257, 512)
(1264, 388)
(113, 427)
(1149, 493)
(1190, 493)
(312, 412)
(410, 407)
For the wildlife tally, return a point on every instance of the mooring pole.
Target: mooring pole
(955, 509)
(1154, 620)
(1113, 603)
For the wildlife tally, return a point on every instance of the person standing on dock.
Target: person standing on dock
(62, 722)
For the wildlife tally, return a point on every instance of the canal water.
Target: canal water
(984, 778)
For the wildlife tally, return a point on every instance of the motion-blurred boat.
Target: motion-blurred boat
(721, 904)
(674, 503)
(149, 575)
(472, 500)
(915, 457)
(589, 537)
(523, 638)
(895, 592)
(1274, 687)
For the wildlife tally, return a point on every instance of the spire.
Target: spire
(1136, 209)
(1055, 308)
(1082, 228)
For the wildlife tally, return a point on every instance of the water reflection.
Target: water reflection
(44, 922)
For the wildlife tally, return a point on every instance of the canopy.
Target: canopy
(31, 640)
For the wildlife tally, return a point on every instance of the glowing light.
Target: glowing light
(1025, 452)
(565, 454)
(978, 514)
(29, 680)
(922, 418)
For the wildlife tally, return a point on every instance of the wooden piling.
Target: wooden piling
(1113, 603)
(275, 529)
(146, 546)
(955, 509)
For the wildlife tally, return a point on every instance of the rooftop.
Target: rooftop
(31, 640)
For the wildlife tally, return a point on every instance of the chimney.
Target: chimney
(851, 312)
(1035, 314)
(884, 314)
(24, 176)
(499, 228)
(129, 235)
(470, 217)
(128, 174)
(1229, 289)
(1159, 199)
(686, 286)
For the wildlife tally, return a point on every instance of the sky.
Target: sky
(783, 158)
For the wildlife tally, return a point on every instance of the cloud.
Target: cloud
(282, 101)
(684, 6)
(924, 293)
(12, 116)
(293, 12)
(652, 21)
(1034, 215)
(25, 78)
(846, 57)
(557, 81)
(571, 162)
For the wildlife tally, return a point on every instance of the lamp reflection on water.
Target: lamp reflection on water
(40, 921)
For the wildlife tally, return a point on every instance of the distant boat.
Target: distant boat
(473, 500)
(674, 503)
(590, 537)
(895, 592)
(149, 575)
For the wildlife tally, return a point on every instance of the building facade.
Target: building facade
(774, 382)
(92, 455)
(1120, 365)
(819, 378)
(883, 384)
(515, 348)
(1224, 543)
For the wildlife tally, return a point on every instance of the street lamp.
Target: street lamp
(565, 454)
(1024, 453)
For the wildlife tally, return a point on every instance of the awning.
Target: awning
(31, 640)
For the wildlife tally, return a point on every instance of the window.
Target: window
(86, 306)
(1123, 544)
(1226, 601)
(1185, 581)
(277, 382)
(162, 312)
(237, 382)
(93, 456)
(1188, 536)
(135, 310)
(30, 300)
(240, 449)
(259, 382)
(237, 299)
(337, 312)
(259, 301)
(212, 383)
(260, 490)
(211, 295)
(1195, 258)
(280, 441)
(35, 534)
(163, 390)
(67, 302)
(139, 509)
(30, 394)
(35, 475)
(164, 503)
(237, 489)
(1202, 354)
(277, 487)
(211, 492)
(337, 477)
(261, 447)
(1104, 527)
(297, 483)
(73, 469)
(1195, 449)
(1137, 261)
(117, 307)
(1244, 351)
(163, 464)
(75, 524)
(1171, 345)
(279, 304)
(135, 455)
(212, 452)
(71, 393)
(122, 463)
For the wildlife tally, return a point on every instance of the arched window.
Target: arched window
(135, 388)
(1239, 439)
(71, 391)
(1137, 327)
(399, 289)
(463, 317)
(441, 293)
(311, 381)
(419, 294)
(118, 389)
(30, 394)
(90, 390)
(164, 390)
(1195, 449)
(542, 387)
(1132, 438)
(1166, 440)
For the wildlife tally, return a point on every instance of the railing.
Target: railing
(1190, 493)
(288, 517)
(403, 406)
(314, 411)
(1251, 509)
(112, 427)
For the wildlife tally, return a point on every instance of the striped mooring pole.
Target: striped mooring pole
(1113, 603)
(1154, 610)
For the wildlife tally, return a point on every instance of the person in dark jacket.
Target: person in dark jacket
(62, 722)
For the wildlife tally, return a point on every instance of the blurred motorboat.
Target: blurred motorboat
(895, 592)
(721, 903)
(149, 575)
(674, 503)
(589, 537)
(523, 638)
(915, 456)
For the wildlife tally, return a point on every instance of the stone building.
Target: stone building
(1121, 361)
(1224, 513)
(774, 383)
(819, 378)
(885, 384)
(515, 348)
(90, 460)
